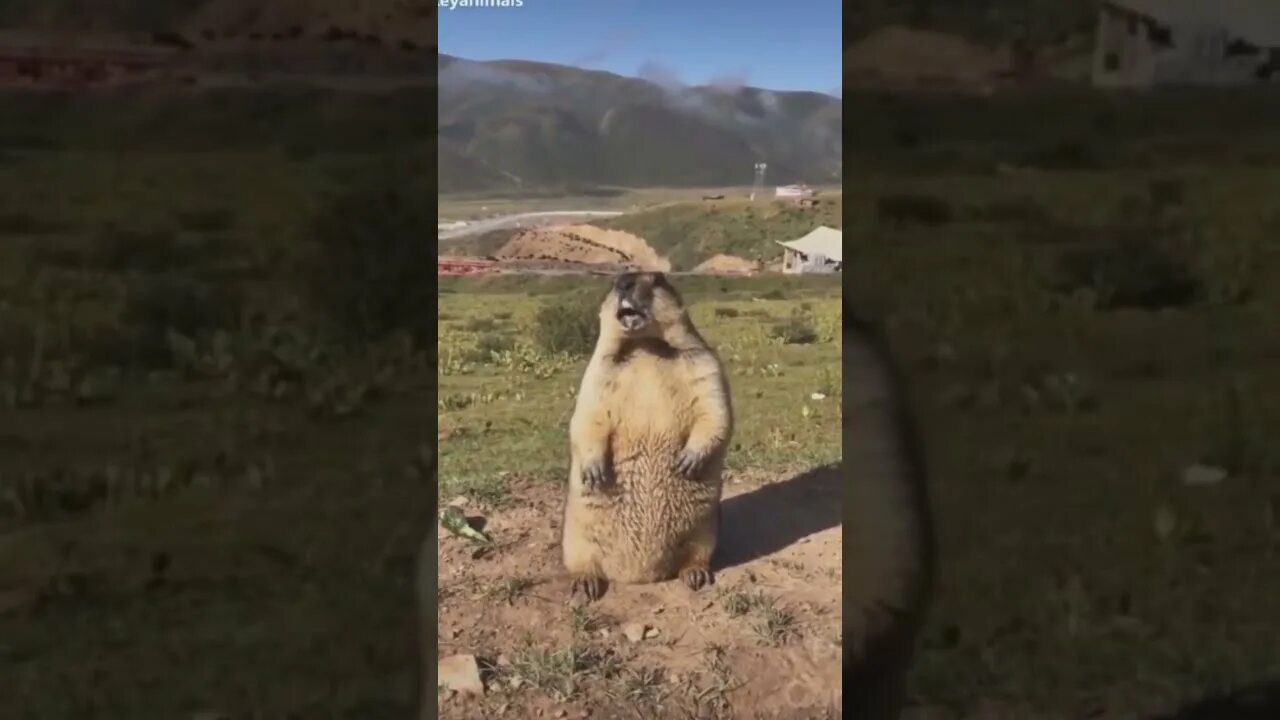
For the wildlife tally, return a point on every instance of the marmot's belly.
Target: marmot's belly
(651, 518)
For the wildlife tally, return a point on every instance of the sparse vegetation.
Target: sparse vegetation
(569, 324)
(690, 232)
(373, 268)
(179, 431)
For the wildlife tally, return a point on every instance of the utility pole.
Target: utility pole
(758, 184)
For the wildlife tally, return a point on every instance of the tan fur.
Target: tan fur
(888, 534)
(645, 398)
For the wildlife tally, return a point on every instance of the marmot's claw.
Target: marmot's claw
(591, 586)
(697, 578)
(688, 462)
(594, 474)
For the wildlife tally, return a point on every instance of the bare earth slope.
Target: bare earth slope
(763, 642)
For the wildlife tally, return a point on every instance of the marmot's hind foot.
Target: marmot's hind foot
(592, 586)
(697, 577)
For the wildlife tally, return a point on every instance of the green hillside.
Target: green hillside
(691, 232)
(516, 125)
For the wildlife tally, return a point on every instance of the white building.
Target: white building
(821, 251)
(1141, 43)
(793, 191)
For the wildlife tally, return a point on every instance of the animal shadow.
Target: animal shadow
(775, 516)
(1260, 701)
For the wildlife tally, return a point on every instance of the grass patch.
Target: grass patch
(523, 423)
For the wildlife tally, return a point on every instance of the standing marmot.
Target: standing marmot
(888, 531)
(647, 444)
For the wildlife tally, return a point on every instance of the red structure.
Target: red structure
(56, 65)
(464, 266)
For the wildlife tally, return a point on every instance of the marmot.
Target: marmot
(647, 445)
(888, 529)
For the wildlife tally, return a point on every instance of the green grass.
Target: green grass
(506, 418)
(1058, 428)
(691, 232)
(181, 511)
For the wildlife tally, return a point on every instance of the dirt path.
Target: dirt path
(763, 642)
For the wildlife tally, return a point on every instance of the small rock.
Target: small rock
(651, 633)
(817, 396)
(604, 633)
(460, 673)
(562, 713)
(658, 610)
(1203, 475)
(460, 501)
(634, 631)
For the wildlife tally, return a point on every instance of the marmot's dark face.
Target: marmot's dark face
(642, 302)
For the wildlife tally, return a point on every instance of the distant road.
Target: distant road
(497, 223)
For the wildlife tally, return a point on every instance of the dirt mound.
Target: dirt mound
(584, 244)
(727, 265)
(763, 642)
(902, 55)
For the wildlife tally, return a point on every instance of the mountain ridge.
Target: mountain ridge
(520, 123)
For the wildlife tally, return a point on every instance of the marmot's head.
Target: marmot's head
(641, 304)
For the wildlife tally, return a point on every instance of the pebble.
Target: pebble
(634, 631)
(461, 673)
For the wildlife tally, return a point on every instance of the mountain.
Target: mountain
(512, 123)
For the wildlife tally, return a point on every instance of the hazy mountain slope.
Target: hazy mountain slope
(537, 124)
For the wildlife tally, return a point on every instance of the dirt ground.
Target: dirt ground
(762, 642)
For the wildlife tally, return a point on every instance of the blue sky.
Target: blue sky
(780, 45)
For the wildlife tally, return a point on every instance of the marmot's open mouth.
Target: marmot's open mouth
(630, 317)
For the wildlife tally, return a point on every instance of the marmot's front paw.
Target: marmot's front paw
(689, 462)
(697, 577)
(595, 474)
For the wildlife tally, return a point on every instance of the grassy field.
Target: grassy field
(464, 206)
(1076, 340)
(210, 494)
(505, 401)
(689, 233)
